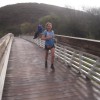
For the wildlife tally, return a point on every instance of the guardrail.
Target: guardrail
(82, 62)
(86, 45)
(86, 64)
(5, 46)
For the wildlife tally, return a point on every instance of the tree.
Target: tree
(14, 29)
(54, 19)
(26, 28)
(94, 22)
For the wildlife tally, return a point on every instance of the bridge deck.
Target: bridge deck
(27, 79)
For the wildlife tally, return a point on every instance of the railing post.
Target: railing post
(72, 57)
(92, 68)
(80, 61)
(65, 56)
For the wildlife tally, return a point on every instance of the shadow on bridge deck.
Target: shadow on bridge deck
(27, 78)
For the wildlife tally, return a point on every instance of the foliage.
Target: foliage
(55, 20)
(1, 34)
(26, 28)
(23, 18)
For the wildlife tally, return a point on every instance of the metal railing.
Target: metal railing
(85, 63)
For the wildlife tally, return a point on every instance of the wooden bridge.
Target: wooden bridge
(76, 76)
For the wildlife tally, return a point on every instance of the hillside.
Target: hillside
(24, 17)
(28, 12)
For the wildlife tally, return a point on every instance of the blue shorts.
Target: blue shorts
(49, 47)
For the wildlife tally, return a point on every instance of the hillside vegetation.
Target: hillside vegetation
(23, 18)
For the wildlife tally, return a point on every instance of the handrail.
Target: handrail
(92, 40)
(86, 45)
(5, 46)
